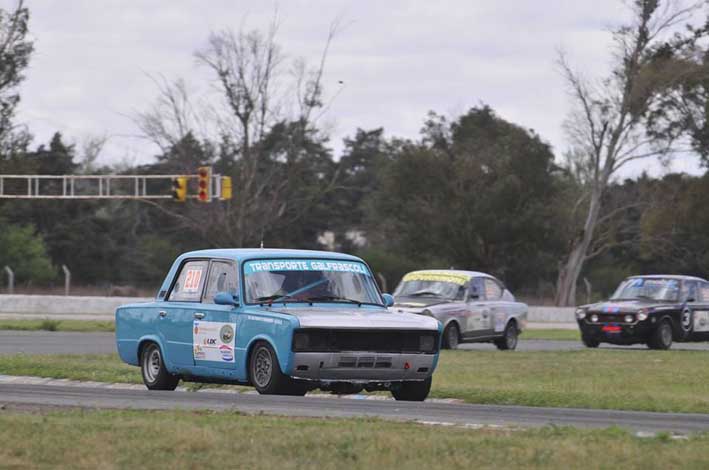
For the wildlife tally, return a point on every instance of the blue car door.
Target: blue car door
(215, 326)
(178, 312)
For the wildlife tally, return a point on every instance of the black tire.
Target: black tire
(661, 338)
(508, 342)
(152, 367)
(266, 376)
(686, 323)
(589, 342)
(412, 390)
(451, 336)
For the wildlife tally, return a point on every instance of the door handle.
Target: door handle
(162, 313)
(199, 315)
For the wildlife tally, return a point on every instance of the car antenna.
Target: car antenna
(262, 244)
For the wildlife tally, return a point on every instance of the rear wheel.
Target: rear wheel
(451, 336)
(413, 390)
(509, 338)
(266, 375)
(662, 336)
(152, 366)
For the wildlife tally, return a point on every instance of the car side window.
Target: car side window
(188, 287)
(689, 291)
(222, 278)
(703, 292)
(476, 288)
(493, 290)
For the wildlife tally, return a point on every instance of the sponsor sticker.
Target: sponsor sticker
(227, 353)
(305, 265)
(226, 333)
(213, 341)
(435, 276)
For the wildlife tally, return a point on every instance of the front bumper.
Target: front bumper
(361, 367)
(639, 332)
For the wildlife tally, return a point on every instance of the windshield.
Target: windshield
(438, 285)
(309, 280)
(666, 290)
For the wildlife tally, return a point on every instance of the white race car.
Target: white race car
(472, 306)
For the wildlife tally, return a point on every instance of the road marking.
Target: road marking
(31, 380)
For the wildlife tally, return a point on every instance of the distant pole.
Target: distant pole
(588, 290)
(67, 279)
(382, 282)
(10, 280)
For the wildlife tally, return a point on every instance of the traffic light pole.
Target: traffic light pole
(103, 186)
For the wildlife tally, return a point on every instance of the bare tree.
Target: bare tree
(608, 126)
(255, 94)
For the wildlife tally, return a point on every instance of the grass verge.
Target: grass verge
(181, 439)
(82, 326)
(626, 380)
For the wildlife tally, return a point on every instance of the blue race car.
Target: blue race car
(284, 321)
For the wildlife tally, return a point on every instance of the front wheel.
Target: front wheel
(509, 338)
(152, 366)
(413, 390)
(589, 342)
(451, 336)
(662, 337)
(266, 375)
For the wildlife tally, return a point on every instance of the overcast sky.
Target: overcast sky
(397, 59)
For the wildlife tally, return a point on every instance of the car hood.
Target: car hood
(358, 317)
(418, 302)
(626, 306)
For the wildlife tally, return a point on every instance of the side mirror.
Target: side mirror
(474, 294)
(388, 300)
(225, 298)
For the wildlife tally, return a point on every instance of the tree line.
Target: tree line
(473, 191)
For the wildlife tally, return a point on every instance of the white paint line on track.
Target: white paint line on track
(31, 380)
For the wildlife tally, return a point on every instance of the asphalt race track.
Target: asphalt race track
(428, 412)
(47, 342)
(97, 396)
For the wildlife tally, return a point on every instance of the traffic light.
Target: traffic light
(179, 188)
(226, 188)
(204, 174)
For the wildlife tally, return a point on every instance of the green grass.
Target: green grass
(98, 367)
(627, 380)
(551, 334)
(138, 439)
(47, 324)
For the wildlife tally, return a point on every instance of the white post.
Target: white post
(67, 279)
(382, 282)
(10, 280)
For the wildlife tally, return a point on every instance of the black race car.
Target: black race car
(655, 310)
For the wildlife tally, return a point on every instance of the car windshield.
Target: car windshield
(639, 288)
(309, 280)
(438, 285)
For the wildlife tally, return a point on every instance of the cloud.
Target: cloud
(397, 59)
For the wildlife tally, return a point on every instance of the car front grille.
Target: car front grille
(382, 341)
(609, 317)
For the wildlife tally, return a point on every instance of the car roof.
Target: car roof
(454, 271)
(668, 276)
(266, 253)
